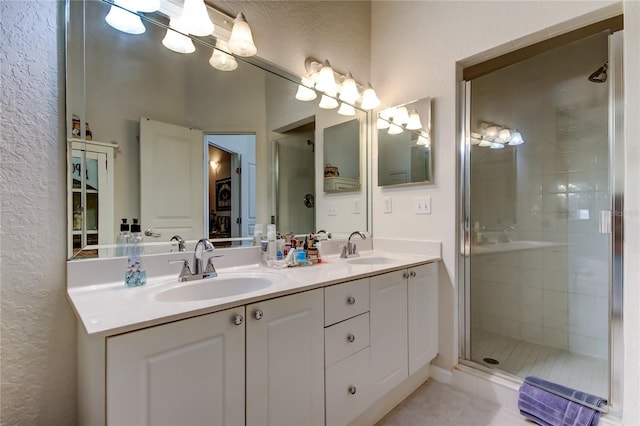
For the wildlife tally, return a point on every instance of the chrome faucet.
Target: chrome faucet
(504, 237)
(199, 270)
(181, 244)
(350, 249)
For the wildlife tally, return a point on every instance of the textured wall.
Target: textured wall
(38, 327)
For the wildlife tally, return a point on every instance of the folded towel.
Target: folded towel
(550, 404)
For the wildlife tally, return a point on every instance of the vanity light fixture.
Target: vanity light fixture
(495, 136)
(146, 6)
(327, 102)
(196, 18)
(401, 116)
(496, 145)
(424, 139)
(124, 20)
(414, 123)
(516, 138)
(327, 80)
(305, 91)
(241, 40)
(346, 109)
(220, 59)
(349, 92)
(176, 40)
(382, 123)
(395, 129)
(369, 98)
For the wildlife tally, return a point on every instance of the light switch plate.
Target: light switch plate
(422, 205)
(356, 207)
(331, 209)
(387, 204)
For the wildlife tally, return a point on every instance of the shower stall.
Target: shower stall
(540, 269)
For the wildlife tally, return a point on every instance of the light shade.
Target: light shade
(485, 143)
(394, 129)
(175, 41)
(476, 138)
(492, 133)
(147, 6)
(123, 20)
(220, 59)
(349, 91)
(516, 138)
(388, 113)
(401, 116)
(423, 140)
(305, 93)
(346, 109)
(196, 18)
(241, 40)
(496, 145)
(326, 79)
(382, 123)
(327, 102)
(504, 136)
(369, 99)
(414, 122)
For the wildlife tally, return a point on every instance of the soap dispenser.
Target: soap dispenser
(122, 239)
(135, 275)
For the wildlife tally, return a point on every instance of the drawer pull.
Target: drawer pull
(405, 275)
(258, 314)
(412, 273)
(351, 338)
(352, 390)
(237, 319)
(351, 300)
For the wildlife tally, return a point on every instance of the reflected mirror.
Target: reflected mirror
(162, 129)
(341, 157)
(405, 144)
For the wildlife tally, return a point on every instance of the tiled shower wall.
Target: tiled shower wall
(555, 296)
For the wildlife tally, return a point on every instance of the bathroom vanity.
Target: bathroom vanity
(322, 344)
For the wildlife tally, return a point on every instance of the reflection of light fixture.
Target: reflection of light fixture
(176, 41)
(401, 116)
(327, 102)
(423, 139)
(326, 80)
(349, 92)
(214, 165)
(346, 109)
(504, 135)
(476, 138)
(305, 93)
(123, 20)
(369, 98)
(414, 122)
(495, 136)
(382, 123)
(492, 133)
(496, 145)
(196, 18)
(220, 59)
(516, 138)
(241, 40)
(395, 129)
(148, 6)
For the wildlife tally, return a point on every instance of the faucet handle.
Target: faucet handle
(185, 271)
(211, 269)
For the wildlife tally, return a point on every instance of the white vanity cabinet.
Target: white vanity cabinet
(188, 372)
(285, 360)
(422, 315)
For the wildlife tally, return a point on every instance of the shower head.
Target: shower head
(599, 75)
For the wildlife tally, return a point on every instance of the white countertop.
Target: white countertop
(109, 308)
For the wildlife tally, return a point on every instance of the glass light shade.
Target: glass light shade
(349, 92)
(196, 18)
(346, 109)
(369, 99)
(504, 136)
(241, 39)
(147, 6)
(485, 143)
(123, 20)
(382, 124)
(414, 122)
(496, 145)
(394, 129)
(175, 41)
(492, 132)
(327, 102)
(388, 113)
(326, 79)
(423, 140)
(401, 116)
(476, 138)
(220, 59)
(305, 93)
(516, 138)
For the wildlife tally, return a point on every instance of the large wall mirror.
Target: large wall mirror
(405, 145)
(189, 149)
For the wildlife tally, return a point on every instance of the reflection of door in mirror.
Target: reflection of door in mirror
(91, 185)
(234, 156)
(295, 165)
(341, 157)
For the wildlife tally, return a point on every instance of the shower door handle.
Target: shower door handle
(604, 226)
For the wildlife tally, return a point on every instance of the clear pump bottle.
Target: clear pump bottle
(122, 240)
(135, 275)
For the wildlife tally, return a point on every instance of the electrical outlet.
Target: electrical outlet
(422, 205)
(331, 209)
(387, 204)
(356, 207)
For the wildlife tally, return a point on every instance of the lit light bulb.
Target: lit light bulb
(124, 20)
(369, 99)
(394, 129)
(382, 124)
(349, 92)
(401, 116)
(220, 59)
(327, 102)
(516, 138)
(196, 18)
(346, 109)
(305, 93)
(414, 123)
(326, 79)
(176, 41)
(492, 133)
(241, 40)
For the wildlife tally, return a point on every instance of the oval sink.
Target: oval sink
(378, 260)
(213, 288)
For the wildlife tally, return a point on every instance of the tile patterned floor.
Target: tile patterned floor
(437, 404)
(529, 359)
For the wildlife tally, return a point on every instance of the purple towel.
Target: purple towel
(550, 409)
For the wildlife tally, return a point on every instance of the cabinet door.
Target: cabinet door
(285, 360)
(423, 315)
(188, 372)
(389, 364)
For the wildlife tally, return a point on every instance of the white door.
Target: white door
(188, 372)
(423, 315)
(285, 360)
(388, 315)
(236, 208)
(171, 181)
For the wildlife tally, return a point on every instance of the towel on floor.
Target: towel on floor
(550, 404)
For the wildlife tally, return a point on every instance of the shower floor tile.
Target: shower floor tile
(529, 359)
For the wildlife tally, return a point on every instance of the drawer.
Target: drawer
(346, 338)
(348, 387)
(343, 301)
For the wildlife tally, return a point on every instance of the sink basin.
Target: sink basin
(213, 288)
(377, 260)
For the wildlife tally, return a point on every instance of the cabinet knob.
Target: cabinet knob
(238, 319)
(352, 390)
(412, 273)
(351, 300)
(351, 338)
(258, 314)
(405, 275)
